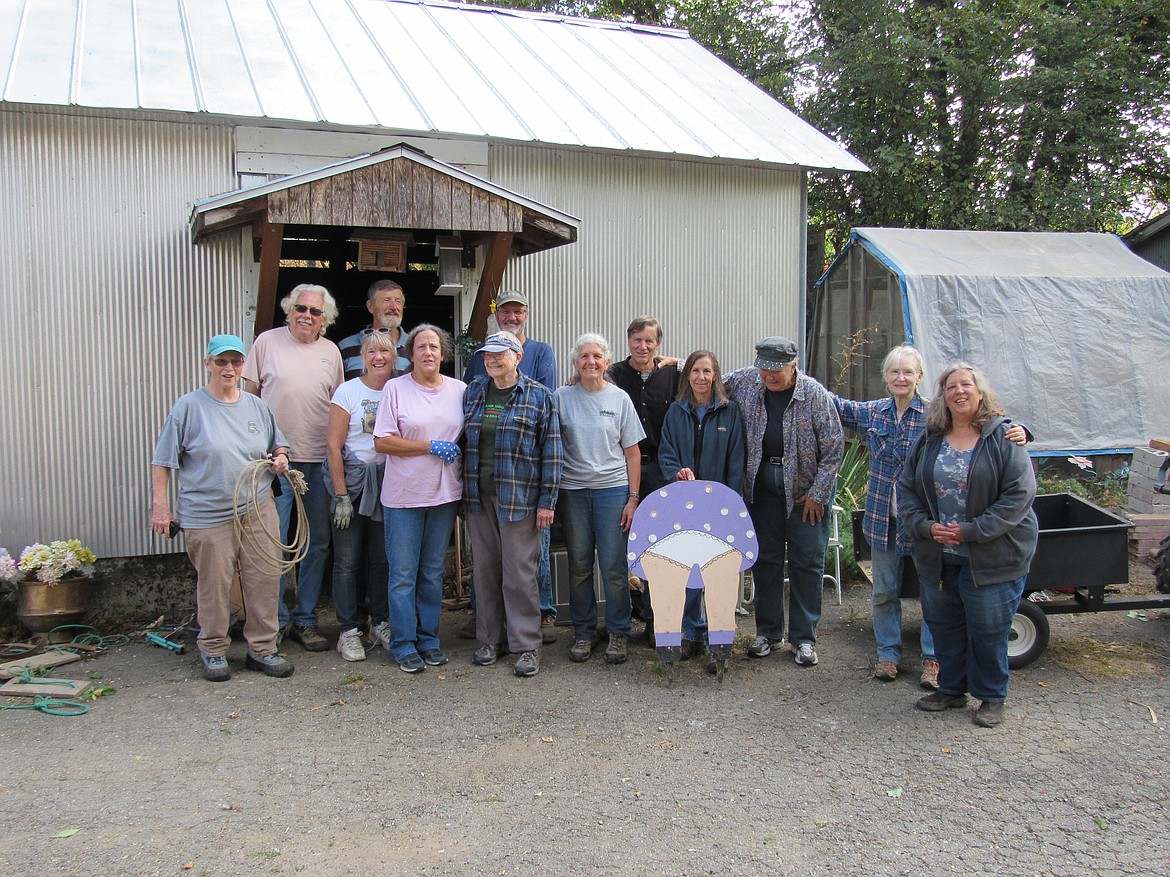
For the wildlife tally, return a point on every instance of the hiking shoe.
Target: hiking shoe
(548, 629)
(412, 663)
(485, 656)
(309, 637)
(929, 677)
(434, 657)
(761, 647)
(615, 652)
(690, 648)
(349, 645)
(380, 635)
(806, 655)
(989, 714)
(270, 665)
(581, 649)
(528, 665)
(887, 671)
(712, 665)
(215, 668)
(940, 700)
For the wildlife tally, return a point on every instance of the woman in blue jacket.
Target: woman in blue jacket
(702, 440)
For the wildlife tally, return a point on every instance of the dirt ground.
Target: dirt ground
(356, 769)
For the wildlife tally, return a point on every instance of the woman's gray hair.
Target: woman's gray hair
(446, 343)
(592, 338)
(329, 302)
(938, 416)
(900, 351)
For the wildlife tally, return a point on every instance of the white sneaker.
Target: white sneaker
(380, 635)
(349, 645)
(806, 655)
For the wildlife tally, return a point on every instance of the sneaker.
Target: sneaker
(412, 663)
(528, 665)
(690, 648)
(215, 668)
(548, 629)
(929, 677)
(349, 645)
(887, 671)
(581, 649)
(989, 714)
(270, 665)
(309, 637)
(615, 652)
(761, 647)
(712, 665)
(806, 655)
(380, 635)
(485, 656)
(434, 657)
(940, 700)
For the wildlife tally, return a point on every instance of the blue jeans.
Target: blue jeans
(592, 520)
(786, 536)
(887, 605)
(694, 622)
(971, 626)
(544, 575)
(311, 570)
(416, 547)
(359, 553)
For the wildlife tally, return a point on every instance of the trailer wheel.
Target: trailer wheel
(1029, 635)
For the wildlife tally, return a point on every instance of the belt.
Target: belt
(775, 461)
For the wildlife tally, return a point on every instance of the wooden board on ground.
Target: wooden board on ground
(1160, 444)
(16, 667)
(46, 686)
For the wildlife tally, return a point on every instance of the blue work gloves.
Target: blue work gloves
(448, 452)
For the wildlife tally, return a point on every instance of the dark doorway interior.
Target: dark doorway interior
(325, 255)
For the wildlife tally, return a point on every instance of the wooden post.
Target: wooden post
(271, 236)
(499, 248)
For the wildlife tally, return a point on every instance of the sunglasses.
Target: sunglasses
(224, 363)
(301, 309)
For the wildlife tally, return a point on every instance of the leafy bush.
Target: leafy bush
(1077, 475)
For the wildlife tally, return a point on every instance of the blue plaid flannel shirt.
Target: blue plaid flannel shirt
(529, 454)
(888, 440)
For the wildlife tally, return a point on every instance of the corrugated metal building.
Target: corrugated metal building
(124, 123)
(1151, 240)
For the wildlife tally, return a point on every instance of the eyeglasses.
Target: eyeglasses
(220, 362)
(300, 309)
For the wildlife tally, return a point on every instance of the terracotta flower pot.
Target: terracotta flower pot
(41, 606)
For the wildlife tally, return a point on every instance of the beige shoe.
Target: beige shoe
(887, 671)
(929, 677)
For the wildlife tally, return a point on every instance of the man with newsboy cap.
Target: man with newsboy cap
(795, 444)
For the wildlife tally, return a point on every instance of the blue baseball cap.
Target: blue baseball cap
(223, 343)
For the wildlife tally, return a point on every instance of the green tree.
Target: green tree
(990, 114)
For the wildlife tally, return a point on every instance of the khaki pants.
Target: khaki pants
(216, 556)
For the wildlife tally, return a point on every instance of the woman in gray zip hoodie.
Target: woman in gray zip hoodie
(966, 496)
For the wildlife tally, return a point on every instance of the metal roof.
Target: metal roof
(405, 65)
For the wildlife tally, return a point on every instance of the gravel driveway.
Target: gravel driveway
(358, 769)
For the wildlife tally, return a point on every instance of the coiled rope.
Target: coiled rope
(246, 493)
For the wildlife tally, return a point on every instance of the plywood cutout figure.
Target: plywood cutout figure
(693, 535)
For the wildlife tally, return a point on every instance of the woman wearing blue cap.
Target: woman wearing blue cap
(209, 438)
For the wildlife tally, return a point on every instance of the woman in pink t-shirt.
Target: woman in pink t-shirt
(420, 419)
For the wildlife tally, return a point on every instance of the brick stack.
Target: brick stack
(1149, 509)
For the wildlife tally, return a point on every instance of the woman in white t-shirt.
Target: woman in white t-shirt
(600, 431)
(354, 476)
(419, 422)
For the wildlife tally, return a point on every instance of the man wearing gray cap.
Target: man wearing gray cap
(795, 444)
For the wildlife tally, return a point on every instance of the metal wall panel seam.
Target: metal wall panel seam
(318, 113)
(392, 70)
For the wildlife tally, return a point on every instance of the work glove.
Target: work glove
(448, 452)
(342, 511)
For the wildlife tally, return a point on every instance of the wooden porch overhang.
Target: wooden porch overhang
(395, 188)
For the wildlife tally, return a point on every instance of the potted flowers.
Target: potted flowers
(52, 583)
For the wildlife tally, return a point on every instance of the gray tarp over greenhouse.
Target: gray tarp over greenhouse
(1073, 330)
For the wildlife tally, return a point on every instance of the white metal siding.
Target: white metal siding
(107, 307)
(716, 253)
